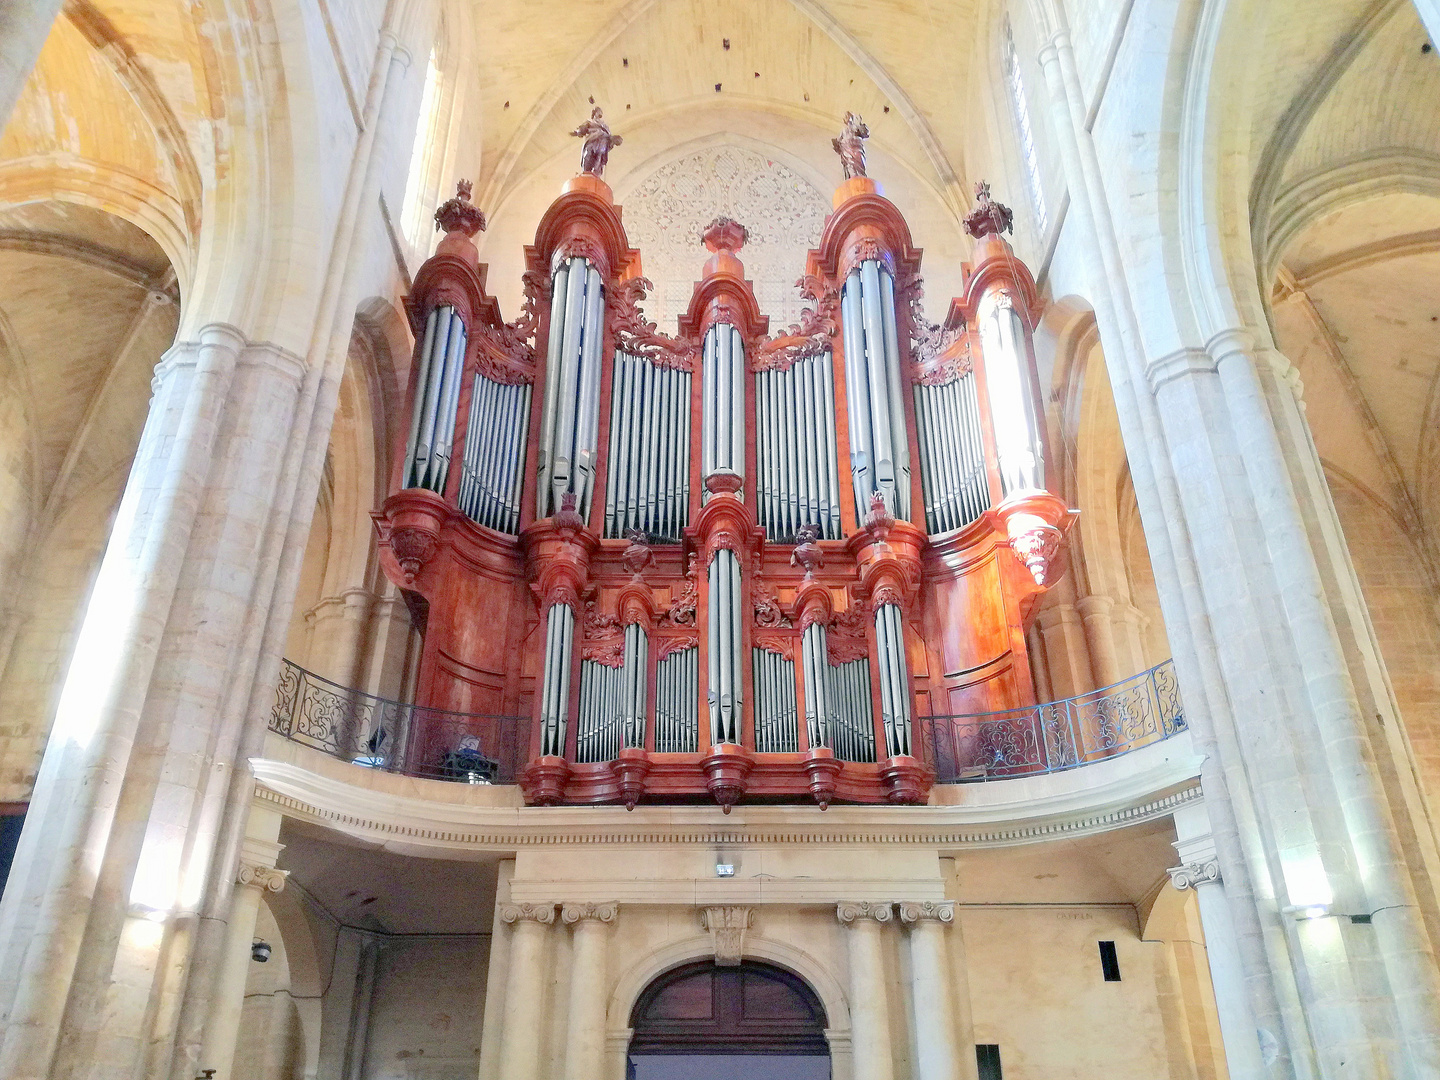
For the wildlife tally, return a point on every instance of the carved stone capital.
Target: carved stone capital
(854, 912)
(259, 876)
(571, 914)
(939, 911)
(1193, 875)
(727, 926)
(518, 913)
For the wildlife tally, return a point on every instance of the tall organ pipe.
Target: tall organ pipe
(879, 444)
(895, 706)
(723, 408)
(814, 649)
(637, 661)
(1009, 379)
(723, 645)
(676, 685)
(569, 423)
(555, 699)
(437, 392)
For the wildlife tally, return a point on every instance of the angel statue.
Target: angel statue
(598, 142)
(851, 146)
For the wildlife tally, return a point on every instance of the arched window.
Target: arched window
(415, 214)
(703, 1021)
(1015, 82)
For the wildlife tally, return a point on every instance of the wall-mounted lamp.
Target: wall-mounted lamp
(724, 869)
(260, 951)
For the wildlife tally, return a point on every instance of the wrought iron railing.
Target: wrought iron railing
(480, 748)
(1057, 735)
(397, 737)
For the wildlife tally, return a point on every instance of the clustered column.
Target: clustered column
(869, 1000)
(585, 1041)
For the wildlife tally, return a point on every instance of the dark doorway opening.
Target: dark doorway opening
(706, 1022)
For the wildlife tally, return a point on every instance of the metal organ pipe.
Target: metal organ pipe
(895, 706)
(569, 422)
(952, 456)
(879, 445)
(648, 476)
(494, 457)
(1008, 377)
(676, 685)
(723, 646)
(795, 452)
(437, 391)
(723, 407)
(815, 653)
(555, 699)
(775, 704)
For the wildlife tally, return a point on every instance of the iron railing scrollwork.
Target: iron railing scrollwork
(1057, 735)
(1052, 737)
(395, 736)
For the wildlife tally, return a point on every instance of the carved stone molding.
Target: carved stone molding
(940, 911)
(1193, 875)
(264, 878)
(851, 912)
(518, 913)
(727, 927)
(570, 914)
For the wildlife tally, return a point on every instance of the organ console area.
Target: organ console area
(734, 563)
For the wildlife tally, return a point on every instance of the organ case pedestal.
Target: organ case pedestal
(728, 564)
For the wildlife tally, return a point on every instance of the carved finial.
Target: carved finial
(879, 516)
(458, 214)
(599, 141)
(567, 517)
(637, 556)
(988, 216)
(724, 234)
(807, 552)
(850, 145)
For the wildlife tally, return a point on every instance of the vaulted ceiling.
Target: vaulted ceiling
(769, 78)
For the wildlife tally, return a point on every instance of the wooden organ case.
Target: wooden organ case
(727, 564)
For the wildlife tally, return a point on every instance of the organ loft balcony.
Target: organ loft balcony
(733, 564)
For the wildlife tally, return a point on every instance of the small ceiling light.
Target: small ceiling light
(260, 952)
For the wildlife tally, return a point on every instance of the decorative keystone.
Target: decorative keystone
(727, 927)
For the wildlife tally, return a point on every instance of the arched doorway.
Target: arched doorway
(706, 1022)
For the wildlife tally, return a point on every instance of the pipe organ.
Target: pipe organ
(732, 621)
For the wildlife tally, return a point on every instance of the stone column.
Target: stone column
(585, 1032)
(338, 626)
(1096, 611)
(525, 989)
(255, 876)
(1066, 649)
(23, 30)
(1200, 870)
(938, 1051)
(869, 989)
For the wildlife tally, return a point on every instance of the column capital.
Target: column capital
(912, 913)
(521, 913)
(574, 913)
(262, 877)
(1193, 875)
(855, 912)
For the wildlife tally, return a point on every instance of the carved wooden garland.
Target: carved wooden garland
(813, 335)
(506, 353)
(675, 643)
(767, 606)
(682, 607)
(929, 341)
(779, 644)
(847, 637)
(604, 637)
(638, 336)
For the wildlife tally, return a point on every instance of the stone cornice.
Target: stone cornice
(422, 826)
